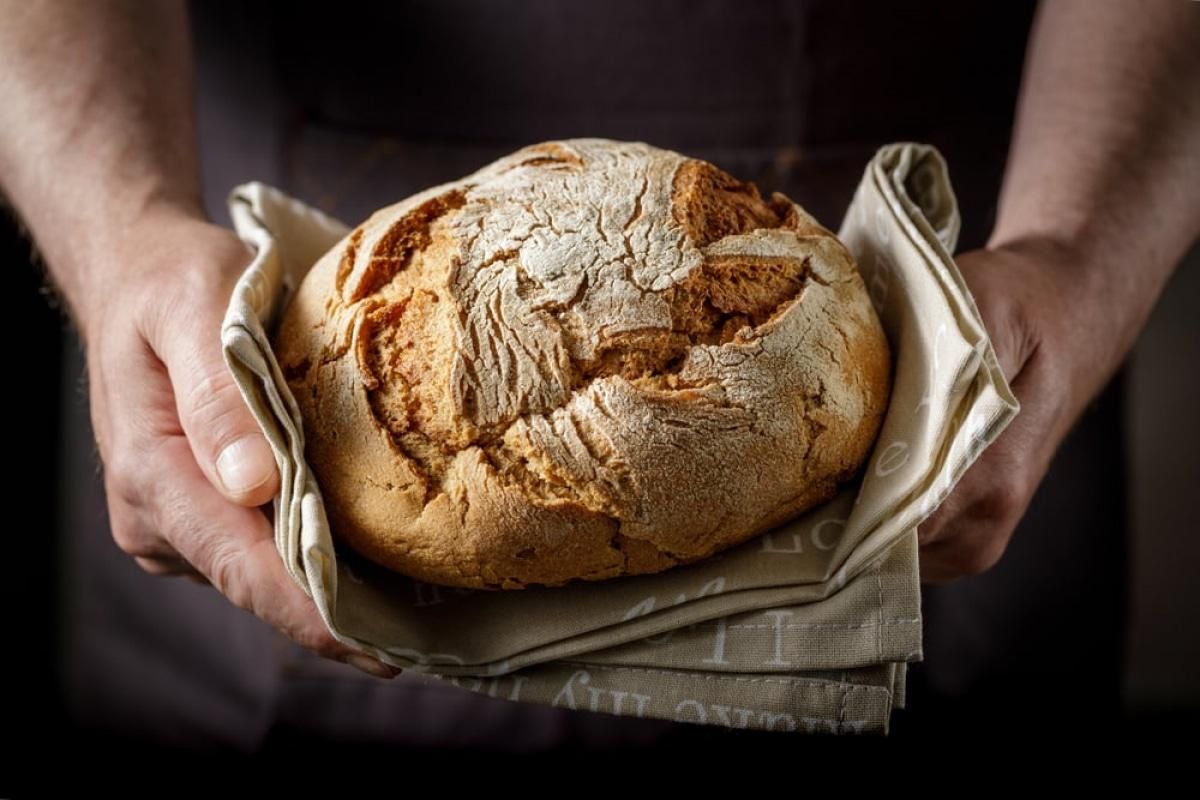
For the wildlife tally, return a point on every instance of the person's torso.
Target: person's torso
(376, 101)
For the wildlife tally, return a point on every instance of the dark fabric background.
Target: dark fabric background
(355, 109)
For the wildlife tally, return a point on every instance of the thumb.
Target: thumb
(225, 439)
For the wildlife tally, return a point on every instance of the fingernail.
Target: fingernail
(246, 464)
(371, 666)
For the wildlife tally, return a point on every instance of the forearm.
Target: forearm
(100, 130)
(1105, 160)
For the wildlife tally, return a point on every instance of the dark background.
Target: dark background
(1161, 695)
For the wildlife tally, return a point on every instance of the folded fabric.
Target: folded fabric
(809, 627)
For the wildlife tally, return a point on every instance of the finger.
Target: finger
(978, 269)
(992, 494)
(995, 489)
(234, 548)
(167, 567)
(226, 440)
(1000, 301)
(935, 572)
(976, 545)
(934, 527)
(970, 532)
(133, 530)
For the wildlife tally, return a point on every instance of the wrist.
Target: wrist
(1087, 312)
(92, 249)
(75, 229)
(154, 268)
(1111, 262)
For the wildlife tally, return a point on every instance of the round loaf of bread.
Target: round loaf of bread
(588, 359)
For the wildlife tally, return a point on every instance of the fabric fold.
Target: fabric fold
(809, 627)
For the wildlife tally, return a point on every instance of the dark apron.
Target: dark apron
(351, 109)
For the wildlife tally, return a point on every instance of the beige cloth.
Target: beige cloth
(807, 628)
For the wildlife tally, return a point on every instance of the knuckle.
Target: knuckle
(1006, 500)
(978, 559)
(226, 572)
(125, 477)
(132, 539)
(319, 641)
(308, 630)
(125, 539)
(215, 405)
(208, 398)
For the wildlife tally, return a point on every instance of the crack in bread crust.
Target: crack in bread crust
(712, 305)
(544, 324)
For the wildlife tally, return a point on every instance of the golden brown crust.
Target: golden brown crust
(587, 359)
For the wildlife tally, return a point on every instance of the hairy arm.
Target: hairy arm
(1099, 204)
(1105, 158)
(100, 131)
(98, 155)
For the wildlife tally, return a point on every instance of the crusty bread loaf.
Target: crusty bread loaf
(588, 359)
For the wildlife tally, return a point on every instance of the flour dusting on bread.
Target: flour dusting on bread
(588, 359)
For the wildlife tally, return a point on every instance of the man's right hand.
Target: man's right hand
(185, 462)
(100, 163)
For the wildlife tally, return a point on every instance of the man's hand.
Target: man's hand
(185, 462)
(1032, 316)
(1099, 205)
(102, 167)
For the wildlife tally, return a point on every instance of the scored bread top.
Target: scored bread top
(589, 358)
